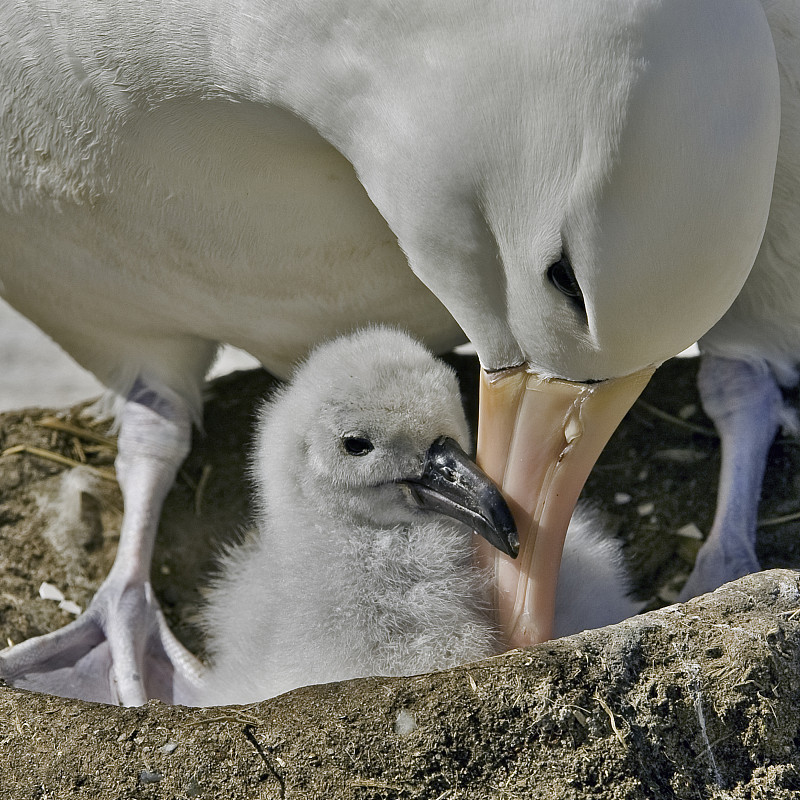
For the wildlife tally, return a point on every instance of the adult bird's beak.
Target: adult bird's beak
(538, 439)
(452, 484)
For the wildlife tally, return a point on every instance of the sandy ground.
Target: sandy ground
(34, 371)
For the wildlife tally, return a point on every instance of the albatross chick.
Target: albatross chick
(360, 561)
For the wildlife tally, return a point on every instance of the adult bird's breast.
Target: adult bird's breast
(220, 220)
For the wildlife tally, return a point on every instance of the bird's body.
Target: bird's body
(201, 179)
(763, 324)
(393, 601)
(343, 576)
(754, 350)
(171, 202)
(582, 187)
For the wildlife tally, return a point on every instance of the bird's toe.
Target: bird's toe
(120, 651)
(714, 567)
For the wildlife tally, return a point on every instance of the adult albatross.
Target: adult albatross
(580, 188)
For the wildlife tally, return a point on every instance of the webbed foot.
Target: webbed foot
(119, 651)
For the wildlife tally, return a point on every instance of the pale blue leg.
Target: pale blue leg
(745, 403)
(120, 649)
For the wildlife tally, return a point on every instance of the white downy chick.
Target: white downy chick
(361, 559)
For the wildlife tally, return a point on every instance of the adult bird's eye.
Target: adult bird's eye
(562, 276)
(357, 445)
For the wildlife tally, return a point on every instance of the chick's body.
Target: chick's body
(344, 575)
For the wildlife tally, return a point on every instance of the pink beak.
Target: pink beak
(538, 439)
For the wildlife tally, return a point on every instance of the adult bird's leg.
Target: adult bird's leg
(745, 404)
(120, 650)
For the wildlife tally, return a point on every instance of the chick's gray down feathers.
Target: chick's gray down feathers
(342, 575)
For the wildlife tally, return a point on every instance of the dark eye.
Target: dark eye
(562, 276)
(357, 445)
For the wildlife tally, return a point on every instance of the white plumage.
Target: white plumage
(579, 188)
(344, 575)
(754, 349)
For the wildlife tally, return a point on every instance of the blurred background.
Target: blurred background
(34, 371)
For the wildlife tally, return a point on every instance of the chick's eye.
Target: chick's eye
(357, 445)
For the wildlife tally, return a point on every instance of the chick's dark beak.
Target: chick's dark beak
(453, 485)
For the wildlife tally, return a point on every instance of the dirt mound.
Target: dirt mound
(694, 701)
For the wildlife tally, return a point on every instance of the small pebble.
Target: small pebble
(688, 411)
(643, 509)
(621, 498)
(145, 776)
(690, 531)
(169, 747)
(70, 607)
(49, 592)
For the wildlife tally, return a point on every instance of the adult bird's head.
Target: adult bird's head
(586, 204)
(371, 431)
